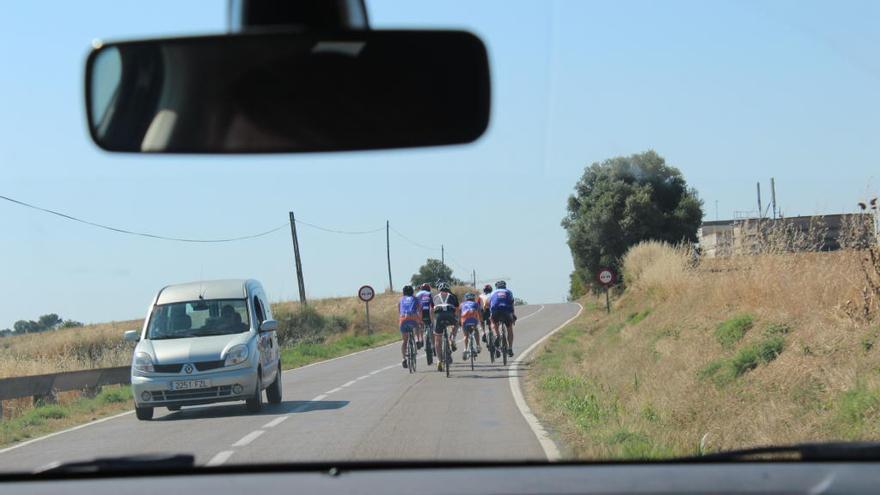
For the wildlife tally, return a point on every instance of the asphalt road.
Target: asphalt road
(364, 406)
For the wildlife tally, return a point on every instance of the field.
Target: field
(727, 353)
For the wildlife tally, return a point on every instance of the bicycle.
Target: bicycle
(504, 344)
(446, 351)
(411, 352)
(471, 344)
(429, 341)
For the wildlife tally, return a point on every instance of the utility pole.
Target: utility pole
(388, 251)
(299, 268)
(442, 255)
(773, 195)
(475, 279)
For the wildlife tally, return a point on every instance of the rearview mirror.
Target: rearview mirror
(288, 92)
(268, 326)
(131, 336)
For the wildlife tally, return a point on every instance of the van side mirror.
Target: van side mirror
(268, 326)
(131, 336)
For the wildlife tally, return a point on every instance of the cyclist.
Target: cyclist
(426, 299)
(445, 310)
(410, 318)
(501, 311)
(484, 308)
(470, 320)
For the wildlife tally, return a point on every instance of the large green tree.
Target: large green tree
(622, 201)
(432, 271)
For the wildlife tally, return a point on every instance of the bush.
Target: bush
(731, 331)
(306, 325)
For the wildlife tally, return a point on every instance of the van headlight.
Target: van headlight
(237, 355)
(143, 363)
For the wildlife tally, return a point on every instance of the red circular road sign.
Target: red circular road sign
(366, 293)
(606, 276)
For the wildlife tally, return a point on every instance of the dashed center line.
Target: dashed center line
(250, 437)
(319, 397)
(337, 389)
(348, 384)
(220, 458)
(275, 422)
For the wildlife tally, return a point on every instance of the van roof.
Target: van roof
(208, 289)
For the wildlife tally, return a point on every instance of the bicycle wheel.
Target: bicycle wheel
(411, 353)
(473, 347)
(429, 346)
(504, 343)
(447, 352)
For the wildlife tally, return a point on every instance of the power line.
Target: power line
(414, 243)
(335, 231)
(141, 234)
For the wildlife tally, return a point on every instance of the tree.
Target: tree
(432, 271)
(621, 202)
(24, 326)
(49, 321)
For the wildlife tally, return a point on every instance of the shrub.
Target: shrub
(731, 331)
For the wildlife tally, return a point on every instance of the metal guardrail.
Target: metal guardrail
(44, 387)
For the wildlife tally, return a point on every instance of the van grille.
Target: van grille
(202, 393)
(167, 368)
(209, 365)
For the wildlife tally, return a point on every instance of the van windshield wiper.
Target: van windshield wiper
(138, 463)
(822, 451)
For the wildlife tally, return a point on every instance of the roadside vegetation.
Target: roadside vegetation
(773, 348)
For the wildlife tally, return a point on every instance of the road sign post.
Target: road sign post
(606, 277)
(366, 294)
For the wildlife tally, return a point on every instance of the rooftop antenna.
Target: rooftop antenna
(773, 195)
(760, 210)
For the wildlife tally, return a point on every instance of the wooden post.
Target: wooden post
(388, 251)
(299, 274)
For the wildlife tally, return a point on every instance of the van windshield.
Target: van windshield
(198, 319)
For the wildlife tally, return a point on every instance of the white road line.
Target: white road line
(362, 377)
(319, 397)
(337, 389)
(348, 383)
(220, 458)
(377, 371)
(250, 437)
(530, 314)
(275, 422)
(550, 448)
(50, 435)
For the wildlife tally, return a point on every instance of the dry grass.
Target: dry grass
(656, 385)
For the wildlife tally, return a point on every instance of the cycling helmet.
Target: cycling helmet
(407, 290)
(501, 284)
(442, 286)
(426, 286)
(487, 289)
(470, 296)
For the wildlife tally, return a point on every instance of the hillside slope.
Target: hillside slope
(767, 349)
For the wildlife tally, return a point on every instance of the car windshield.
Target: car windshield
(198, 319)
(671, 227)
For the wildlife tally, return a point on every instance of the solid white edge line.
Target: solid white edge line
(348, 383)
(250, 437)
(550, 448)
(50, 435)
(337, 389)
(318, 397)
(220, 458)
(275, 422)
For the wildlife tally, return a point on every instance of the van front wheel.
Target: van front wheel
(255, 403)
(273, 393)
(143, 413)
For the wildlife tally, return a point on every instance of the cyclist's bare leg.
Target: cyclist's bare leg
(403, 344)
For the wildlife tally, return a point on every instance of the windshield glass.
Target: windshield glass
(671, 228)
(198, 319)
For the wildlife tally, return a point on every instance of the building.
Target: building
(803, 233)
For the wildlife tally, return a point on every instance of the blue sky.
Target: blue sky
(731, 93)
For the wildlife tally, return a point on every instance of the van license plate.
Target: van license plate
(190, 384)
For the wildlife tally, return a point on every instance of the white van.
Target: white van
(205, 342)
